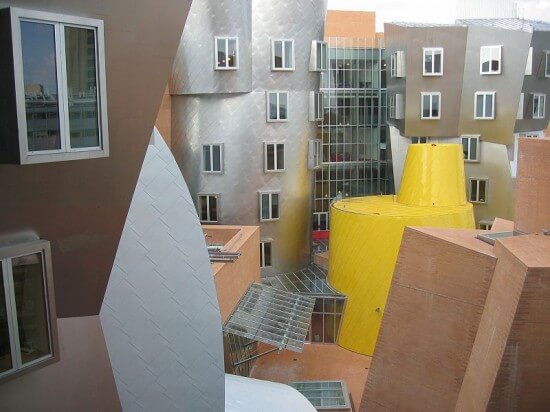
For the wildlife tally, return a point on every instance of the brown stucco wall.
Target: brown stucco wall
(81, 381)
(232, 279)
(164, 118)
(351, 24)
(80, 206)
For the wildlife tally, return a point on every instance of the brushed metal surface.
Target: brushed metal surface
(193, 71)
(239, 121)
(80, 206)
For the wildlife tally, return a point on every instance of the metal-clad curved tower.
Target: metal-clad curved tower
(229, 107)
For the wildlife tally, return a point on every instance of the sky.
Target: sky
(429, 11)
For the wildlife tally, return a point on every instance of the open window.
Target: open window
(58, 87)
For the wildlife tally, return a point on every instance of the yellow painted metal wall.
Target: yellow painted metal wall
(366, 234)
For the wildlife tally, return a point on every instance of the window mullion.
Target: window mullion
(62, 94)
(12, 315)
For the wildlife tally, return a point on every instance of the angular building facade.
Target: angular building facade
(241, 126)
(482, 83)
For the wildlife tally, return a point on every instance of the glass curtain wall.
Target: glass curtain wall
(355, 139)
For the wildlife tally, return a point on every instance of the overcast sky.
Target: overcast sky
(429, 11)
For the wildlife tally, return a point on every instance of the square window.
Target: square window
(274, 157)
(478, 190)
(484, 105)
(277, 106)
(490, 60)
(433, 61)
(209, 208)
(226, 53)
(431, 105)
(282, 54)
(269, 206)
(265, 254)
(59, 75)
(419, 140)
(320, 221)
(470, 148)
(27, 336)
(539, 106)
(212, 158)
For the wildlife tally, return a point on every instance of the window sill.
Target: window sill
(432, 74)
(277, 69)
(64, 156)
(269, 220)
(277, 121)
(274, 171)
(224, 69)
(28, 369)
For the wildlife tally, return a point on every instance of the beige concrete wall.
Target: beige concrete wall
(434, 307)
(81, 381)
(233, 278)
(351, 24)
(533, 185)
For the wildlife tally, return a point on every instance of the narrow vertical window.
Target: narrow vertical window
(277, 106)
(484, 105)
(431, 105)
(433, 61)
(209, 208)
(274, 156)
(392, 107)
(269, 206)
(315, 106)
(547, 64)
(212, 158)
(470, 148)
(322, 56)
(539, 106)
(227, 53)
(282, 54)
(265, 254)
(490, 59)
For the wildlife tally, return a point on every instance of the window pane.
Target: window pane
(482, 191)
(340, 305)
(426, 106)
(267, 253)
(278, 54)
(5, 346)
(217, 161)
(473, 149)
(30, 302)
(479, 105)
(80, 52)
(283, 97)
(221, 52)
(280, 156)
(206, 158)
(337, 321)
(288, 55)
(428, 62)
(213, 201)
(465, 148)
(437, 62)
(316, 328)
(203, 206)
(488, 105)
(40, 80)
(547, 64)
(495, 59)
(273, 106)
(485, 57)
(473, 190)
(275, 206)
(329, 329)
(265, 206)
(435, 105)
(270, 157)
(232, 53)
(319, 56)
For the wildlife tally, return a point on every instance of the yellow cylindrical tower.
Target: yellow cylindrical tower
(366, 233)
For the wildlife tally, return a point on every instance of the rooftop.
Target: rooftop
(508, 23)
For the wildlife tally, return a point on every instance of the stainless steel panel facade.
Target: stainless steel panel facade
(238, 120)
(193, 70)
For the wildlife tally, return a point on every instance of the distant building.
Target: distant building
(486, 9)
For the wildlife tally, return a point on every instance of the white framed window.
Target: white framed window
(209, 208)
(277, 106)
(484, 105)
(319, 56)
(315, 154)
(431, 105)
(320, 221)
(265, 253)
(282, 54)
(27, 309)
(470, 148)
(212, 158)
(432, 61)
(478, 190)
(539, 105)
(486, 224)
(521, 109)
(226, 53)
(419, 140)
(60, 82)
(316, 110)
(274, 157)
(391, 107)
(396, 106)
(547, 64)
(490, 60)
(529, 65)
(269, 206)
(397, 64)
